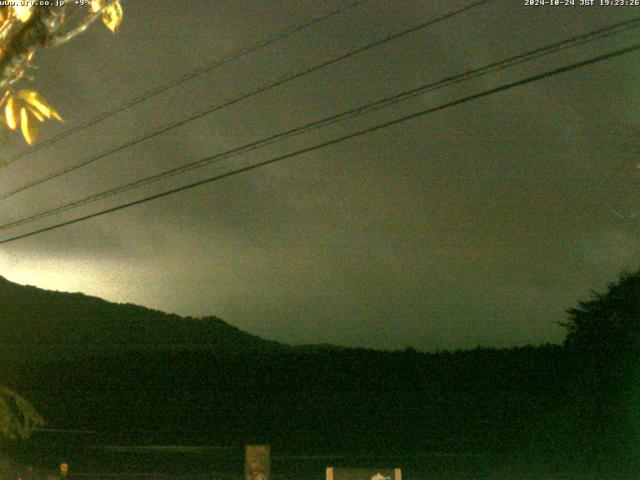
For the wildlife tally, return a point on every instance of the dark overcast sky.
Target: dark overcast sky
(480, 224)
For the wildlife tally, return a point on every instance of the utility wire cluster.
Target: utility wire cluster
(379, 104)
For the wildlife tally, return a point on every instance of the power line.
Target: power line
(183, 79)
(334, 141)
(240, 98)
(367, 108)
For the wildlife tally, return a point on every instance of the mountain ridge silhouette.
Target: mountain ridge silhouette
(33, 318)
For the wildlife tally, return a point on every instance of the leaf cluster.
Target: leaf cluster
(17, 415)
(23, 29)
(23, 108)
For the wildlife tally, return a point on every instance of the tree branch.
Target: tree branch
(35, 32)
(59, 39)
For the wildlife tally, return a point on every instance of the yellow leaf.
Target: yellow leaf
(10, 113)
(112, 16)
(38, 103)
(36, 113)
(96, 5)
(29, 129)
(5, 17)
(22, 12)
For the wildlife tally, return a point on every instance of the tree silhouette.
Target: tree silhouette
(608, 323)
(603, 343)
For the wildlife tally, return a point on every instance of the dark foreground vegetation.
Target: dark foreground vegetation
(558, 407)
